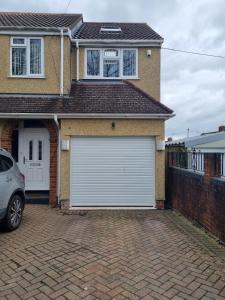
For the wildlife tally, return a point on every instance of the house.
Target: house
(206, 142)
(80, 109)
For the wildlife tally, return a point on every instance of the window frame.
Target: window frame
(103, 57)
(26, 45)
(11, 163)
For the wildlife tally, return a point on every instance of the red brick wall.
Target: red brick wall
(6, 138)
(6, 143)
(53, 161)
(199, 198)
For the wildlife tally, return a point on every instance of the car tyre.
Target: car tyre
(14, 214)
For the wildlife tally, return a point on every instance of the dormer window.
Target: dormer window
(110, 29)
(27, 57)
(111, 63)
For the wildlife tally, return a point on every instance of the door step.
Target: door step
(37, 197)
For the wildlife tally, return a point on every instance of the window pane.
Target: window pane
(35, 56)
(39, 150)
(5, 163)
(93, 62)
(30, 150)
(18, 41)
(129, 62)
(18, 61)
(111, 68)
(111, 53)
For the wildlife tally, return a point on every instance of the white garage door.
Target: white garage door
(112, 171)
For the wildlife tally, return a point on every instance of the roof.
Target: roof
(89, 97)
(38, 20)
(129, 31)
(198, 140)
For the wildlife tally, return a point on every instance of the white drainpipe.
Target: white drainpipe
(58, 160)
(78, 61)
(61, 63)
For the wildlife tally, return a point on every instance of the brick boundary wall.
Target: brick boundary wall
(6, 143)
(200, 198)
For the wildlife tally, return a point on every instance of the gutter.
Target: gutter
(23, 30)
(86, 116)
(58, 159)
(116, 42)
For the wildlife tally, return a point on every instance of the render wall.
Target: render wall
(148, 70)
(50, 83)
(102, 127)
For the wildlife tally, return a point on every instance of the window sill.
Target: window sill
(27, 77)
(112, 78)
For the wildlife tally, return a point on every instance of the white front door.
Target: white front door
(34, 157)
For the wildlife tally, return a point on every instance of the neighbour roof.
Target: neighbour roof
(199, 140)
(88, 97)
(129, 31)
(38, 20)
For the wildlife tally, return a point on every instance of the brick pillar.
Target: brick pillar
(6, 138)
(160, 204)
(212, 165)
(207, 204)
(50, 125)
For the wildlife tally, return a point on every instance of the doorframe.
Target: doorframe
(6, 143)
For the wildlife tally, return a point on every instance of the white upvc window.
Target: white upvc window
(111, 63)
(27, 57)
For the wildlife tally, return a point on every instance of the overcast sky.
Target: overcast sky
(193, 86)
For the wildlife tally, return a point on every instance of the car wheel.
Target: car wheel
(14, 213)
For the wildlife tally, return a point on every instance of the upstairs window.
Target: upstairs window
(27, 56)
(111, 63)
(93, 62)
(129, 62)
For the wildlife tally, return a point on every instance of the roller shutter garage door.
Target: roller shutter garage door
(112, 171)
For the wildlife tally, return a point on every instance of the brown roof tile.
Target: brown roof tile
(38, 20)
(89, 97)
(129, 31)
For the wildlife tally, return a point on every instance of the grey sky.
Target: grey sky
(194, 86)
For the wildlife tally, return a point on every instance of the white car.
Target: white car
(12, 194)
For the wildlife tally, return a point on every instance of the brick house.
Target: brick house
(80, 109)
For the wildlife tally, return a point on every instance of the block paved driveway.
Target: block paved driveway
(109, 255)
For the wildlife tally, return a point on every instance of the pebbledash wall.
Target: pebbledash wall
(200, 198)
(148, 70)
(93, 127)
(102, 127)
(50, 83)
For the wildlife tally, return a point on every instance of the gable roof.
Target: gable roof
(89, 97)
(129, 31)
(38, 20)
(198, 140)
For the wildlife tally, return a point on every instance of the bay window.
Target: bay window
(111, 63)
(27, 56)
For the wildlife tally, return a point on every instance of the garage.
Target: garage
(112, 171)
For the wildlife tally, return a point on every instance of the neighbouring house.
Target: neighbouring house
(213, 142)
(80, 109)
(209, 142)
